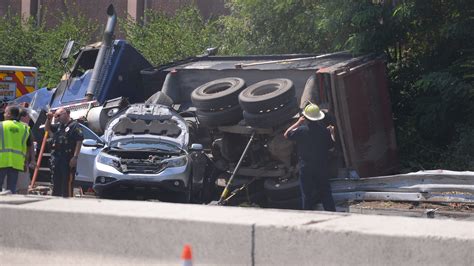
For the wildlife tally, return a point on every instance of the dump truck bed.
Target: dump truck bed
(353, 89)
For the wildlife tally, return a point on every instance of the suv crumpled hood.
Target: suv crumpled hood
(154, 121)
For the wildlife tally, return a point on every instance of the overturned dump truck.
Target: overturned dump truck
(239, 107)
(235, 110)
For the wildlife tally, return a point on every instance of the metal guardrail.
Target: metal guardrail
(422, 187)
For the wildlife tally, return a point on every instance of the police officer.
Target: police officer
(15, 144)
(313, 142)
(66, 144)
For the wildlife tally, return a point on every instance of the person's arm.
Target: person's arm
(47, 125)
(31, 151)
(332, 132)
(77, 150)
(295, 125)
(331, 137)
(78, 137)
(32, 156)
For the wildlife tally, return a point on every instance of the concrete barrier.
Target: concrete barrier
(92, 231)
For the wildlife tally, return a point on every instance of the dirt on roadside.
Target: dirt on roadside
(458, 211)
(456, 207)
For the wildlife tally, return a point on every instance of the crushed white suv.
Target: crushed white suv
(146, 148)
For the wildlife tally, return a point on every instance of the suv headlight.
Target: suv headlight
(107, 159)
(176, 161)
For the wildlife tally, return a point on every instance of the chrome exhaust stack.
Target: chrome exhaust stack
(104, 51)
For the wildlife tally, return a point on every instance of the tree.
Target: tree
(51, 41)
(164, 38)
(18, 42)
(429, 46)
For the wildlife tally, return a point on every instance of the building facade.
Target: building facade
(51, 10)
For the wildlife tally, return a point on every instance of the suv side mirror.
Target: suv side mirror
(196, 147)
(92, 143)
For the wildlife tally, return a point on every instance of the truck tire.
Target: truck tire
(218, 94)
(273, 118)
(228, 116)
(278, 190)
(266, 95)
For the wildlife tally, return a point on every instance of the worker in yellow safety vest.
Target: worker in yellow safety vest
(15, 142)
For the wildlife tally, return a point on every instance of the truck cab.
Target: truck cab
(119, 76)
(101, 78)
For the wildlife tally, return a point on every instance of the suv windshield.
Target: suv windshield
(145, 144)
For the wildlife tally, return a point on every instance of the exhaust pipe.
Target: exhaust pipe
(107, 41)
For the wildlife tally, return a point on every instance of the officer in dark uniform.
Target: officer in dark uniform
(66, 144)
(313, 142)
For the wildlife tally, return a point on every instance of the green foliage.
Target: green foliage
(460, 154)
(18, 42)
(435, 32)
(164, 38)
(431, 73)
(51, 43)
(415, 152)
(25, 43)
(293, 26)
(464, 66)
(435, 133)
(270, 27)
(234, 36)
(359, 26)
(443, 100)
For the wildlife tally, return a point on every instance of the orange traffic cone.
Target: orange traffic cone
(186, 256)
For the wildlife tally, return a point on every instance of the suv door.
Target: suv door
(85, 162)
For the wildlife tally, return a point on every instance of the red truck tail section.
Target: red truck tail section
(363, 102)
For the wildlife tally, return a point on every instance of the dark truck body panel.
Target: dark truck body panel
(353, 89)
